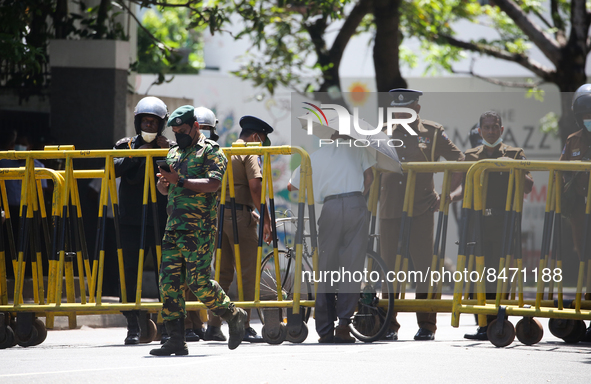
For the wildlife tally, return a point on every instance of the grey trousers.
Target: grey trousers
(342, 240)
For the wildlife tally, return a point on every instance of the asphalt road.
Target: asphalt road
(89, 355)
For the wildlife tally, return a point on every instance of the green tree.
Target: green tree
(559, 29)
(166, 46)
(26, 26)
(287, 34)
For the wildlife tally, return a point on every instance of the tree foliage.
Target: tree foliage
(559, 29)
(175, 48)
(290, 41)
(26, 26)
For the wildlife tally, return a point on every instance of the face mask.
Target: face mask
(183, 140)
(206, 133)
(587, 124)
(18, 147)
(265, 143)
(493, 144)
(149, 136)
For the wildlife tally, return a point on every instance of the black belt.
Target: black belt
(342, 195)
(240, 207)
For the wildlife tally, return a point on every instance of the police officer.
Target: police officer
(430, 143)
(247, 187)
(491, 130)
(197, 166)
(150, 116)
(577, 147)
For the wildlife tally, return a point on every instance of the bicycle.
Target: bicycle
(371, 320)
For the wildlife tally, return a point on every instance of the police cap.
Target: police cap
(182, 115)
(402, 96)
(251, 123)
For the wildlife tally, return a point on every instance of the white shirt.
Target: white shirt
(336, 169)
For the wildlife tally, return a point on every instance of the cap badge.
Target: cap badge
(178, 120)
(400, 97)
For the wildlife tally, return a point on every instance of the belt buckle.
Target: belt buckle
(488, 212)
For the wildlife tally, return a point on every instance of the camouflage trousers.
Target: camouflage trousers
(186, 257)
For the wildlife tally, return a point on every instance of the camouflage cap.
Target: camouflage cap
(182, 115)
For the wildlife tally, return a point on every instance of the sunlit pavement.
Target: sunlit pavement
(99, 356)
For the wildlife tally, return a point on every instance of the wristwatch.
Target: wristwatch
(180, 182)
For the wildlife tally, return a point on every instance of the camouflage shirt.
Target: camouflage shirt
(188, 210)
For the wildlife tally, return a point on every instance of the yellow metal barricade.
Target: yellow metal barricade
(66, 205)
(501, 332)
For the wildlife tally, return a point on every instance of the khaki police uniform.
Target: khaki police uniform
(576, 147)
(430, 144)
(494, 213)
(245, 167)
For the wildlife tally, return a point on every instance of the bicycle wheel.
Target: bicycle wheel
(268, 285)
(371, 321)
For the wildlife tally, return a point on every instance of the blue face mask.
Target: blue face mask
(587, 124)
(493, 144)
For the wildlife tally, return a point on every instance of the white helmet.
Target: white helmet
(206, 117)
(150, 106)
(207, 121)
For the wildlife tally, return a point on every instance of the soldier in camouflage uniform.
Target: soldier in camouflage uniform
(197, 166)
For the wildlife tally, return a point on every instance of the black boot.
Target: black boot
(176, 344)
(164, 335)
(190, 335)
(214, 333)
(133, 327)
(236, 319)
(481, 334)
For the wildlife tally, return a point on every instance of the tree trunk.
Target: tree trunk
(387, 45)
(60, 18)
(101, 28)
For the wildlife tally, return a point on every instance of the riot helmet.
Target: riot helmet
(584, 89)
(582, 107)
(150, 106)
(207, 121)
(582, 104)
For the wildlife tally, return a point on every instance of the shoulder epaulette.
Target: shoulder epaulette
(125, 141)
(431, 124)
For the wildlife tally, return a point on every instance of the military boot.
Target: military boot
(164, 335)
(236, 319)
(176, 344)
(133, 327)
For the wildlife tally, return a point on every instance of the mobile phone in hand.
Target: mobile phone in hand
(162, 164)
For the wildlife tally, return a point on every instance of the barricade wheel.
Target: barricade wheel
(301, 337)
(274, 337)
(371, 321)
(13, 326)
(268, 285)
(151, 334)
(8, 338)
(28, 341)
(565, 329)
(529, 331)
(577, 333)
(501, 338)
(41, 332)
